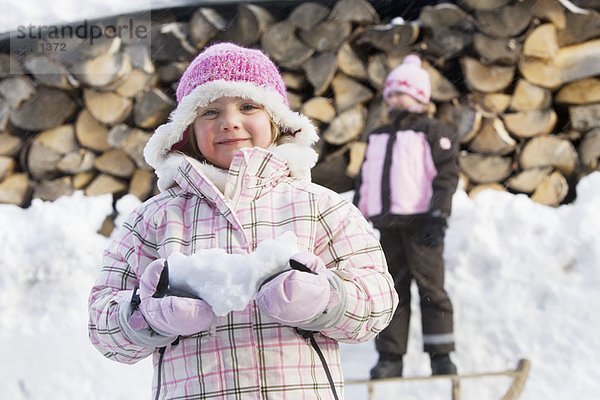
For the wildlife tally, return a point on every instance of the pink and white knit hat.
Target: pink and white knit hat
(231, 63)
(409, 78)
(228, 70)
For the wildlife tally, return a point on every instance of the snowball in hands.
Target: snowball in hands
(228, 282)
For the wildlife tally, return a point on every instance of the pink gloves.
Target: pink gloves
(166, 314)
(298, 298)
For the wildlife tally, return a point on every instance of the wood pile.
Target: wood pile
(519, 79)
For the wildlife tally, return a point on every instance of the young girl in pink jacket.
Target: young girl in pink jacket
(407, 181)
(233, 164)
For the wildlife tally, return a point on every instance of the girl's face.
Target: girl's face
(403, 101)
(229, 124)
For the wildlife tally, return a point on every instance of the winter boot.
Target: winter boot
(441, 364)
(388, 366)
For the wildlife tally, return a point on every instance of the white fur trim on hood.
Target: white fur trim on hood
(294, 146)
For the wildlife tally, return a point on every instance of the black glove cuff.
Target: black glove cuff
(298, 266)
(135, 298)
(270, 278)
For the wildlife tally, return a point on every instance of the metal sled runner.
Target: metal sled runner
(519, 375)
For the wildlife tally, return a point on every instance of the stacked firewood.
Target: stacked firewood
(519, 79)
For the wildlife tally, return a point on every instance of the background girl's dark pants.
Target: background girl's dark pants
(409, 259)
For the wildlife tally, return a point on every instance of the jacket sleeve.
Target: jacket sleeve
(347, 244)
(445, 146)
(110, 297)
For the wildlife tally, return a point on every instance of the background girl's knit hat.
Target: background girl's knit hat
(228, 70)
(409, 78)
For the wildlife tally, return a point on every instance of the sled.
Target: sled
(519, 375)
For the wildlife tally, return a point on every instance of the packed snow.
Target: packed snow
(523, 278)
(229, 282)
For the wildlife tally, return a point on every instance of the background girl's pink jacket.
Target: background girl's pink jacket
(246, 355)
(410, 168)
(412, 172)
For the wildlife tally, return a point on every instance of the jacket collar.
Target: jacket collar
(299, 158)
(252, 171)
(402, 119)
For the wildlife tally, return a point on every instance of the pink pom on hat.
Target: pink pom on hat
(409, 78)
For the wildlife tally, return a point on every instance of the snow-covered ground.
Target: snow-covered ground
(523, 277)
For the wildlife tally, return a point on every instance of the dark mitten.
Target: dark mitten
(434, 230)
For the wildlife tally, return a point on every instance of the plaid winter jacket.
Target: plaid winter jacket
(246, 355)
